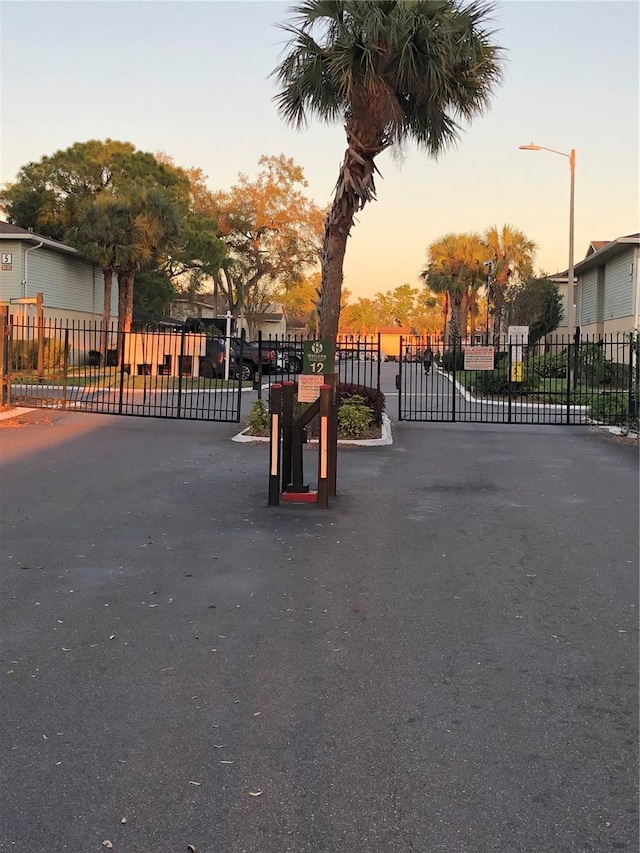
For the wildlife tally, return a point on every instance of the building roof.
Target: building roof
(14, 232)
(606, 251)
(595, 246)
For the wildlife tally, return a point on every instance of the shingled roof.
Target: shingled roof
(15, 232)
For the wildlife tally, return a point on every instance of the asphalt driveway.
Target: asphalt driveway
(445, 661)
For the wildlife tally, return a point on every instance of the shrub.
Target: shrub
(493, 381)
(258, 420)
(372, 398)
(354, 417)
(610, 408)
(450, 357)
(24, 355)
(550, 365)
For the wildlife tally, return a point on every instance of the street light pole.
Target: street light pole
(570, 317)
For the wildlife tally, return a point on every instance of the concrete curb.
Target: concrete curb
(15, 413)
(385, 439)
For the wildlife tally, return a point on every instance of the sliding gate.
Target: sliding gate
(592, 379)
(160, 374)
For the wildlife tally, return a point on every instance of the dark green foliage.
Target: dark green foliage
(449, 357)
(537, 304)
(153, 294)
(48, 194)
(24, 355)
(259, 420)
(610, 408)
(493, 381)
(549, 366)
(354, 417)
(372, 398)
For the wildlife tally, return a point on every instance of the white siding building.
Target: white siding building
(608, 287)
(72, 287)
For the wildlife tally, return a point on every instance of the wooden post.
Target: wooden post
(275, 412)
(331, 380)
(40, 328)
(287, 424)
(324, 447)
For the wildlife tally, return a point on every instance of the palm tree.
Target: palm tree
(123, 232)
(513, 255)
(455, 267)
(392, 71)
(94, 236)
(148, 223)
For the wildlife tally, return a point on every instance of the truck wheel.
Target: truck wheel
(244, 372)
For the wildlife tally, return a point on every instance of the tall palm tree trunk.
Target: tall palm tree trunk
(355, 187)
(337, 228)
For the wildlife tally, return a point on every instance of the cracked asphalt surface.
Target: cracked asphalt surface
(445, 661)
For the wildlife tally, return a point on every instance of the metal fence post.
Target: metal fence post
(65, 367)
(399, 377)
(5, 374)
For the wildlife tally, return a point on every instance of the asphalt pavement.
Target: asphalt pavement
(445, 661)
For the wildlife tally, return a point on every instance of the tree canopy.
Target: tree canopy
(271, 231)
(49, 194)
(392, 72)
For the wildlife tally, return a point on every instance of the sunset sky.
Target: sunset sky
(191, 79)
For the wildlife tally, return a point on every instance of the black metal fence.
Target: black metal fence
(587, 379)
(82, 366)
(357, 359)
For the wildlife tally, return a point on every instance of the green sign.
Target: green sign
(317, 357)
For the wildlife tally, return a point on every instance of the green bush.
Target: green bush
(493, 381)
(354, 417)
(450, 357)
(24, 355)
(373, 398)
(549, 366)
(610, 409)
(258, 420)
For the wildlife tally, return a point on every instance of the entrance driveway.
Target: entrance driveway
(445, 661)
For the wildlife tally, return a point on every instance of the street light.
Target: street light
(571, 275)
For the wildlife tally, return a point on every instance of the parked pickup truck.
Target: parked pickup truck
(290, 352)
(243, 359)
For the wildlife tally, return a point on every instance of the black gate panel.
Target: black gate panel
(160, 374)
(559, 381)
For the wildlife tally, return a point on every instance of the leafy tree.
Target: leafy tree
(512, 254)
(200, 254)
(95, 235)
(148, 223)
(299, 298)
(123, 234)
(271, 231)
(537, 304)
(153, 294)
(391, 71)
(403, 306)
(455, 267)
(49, 194)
